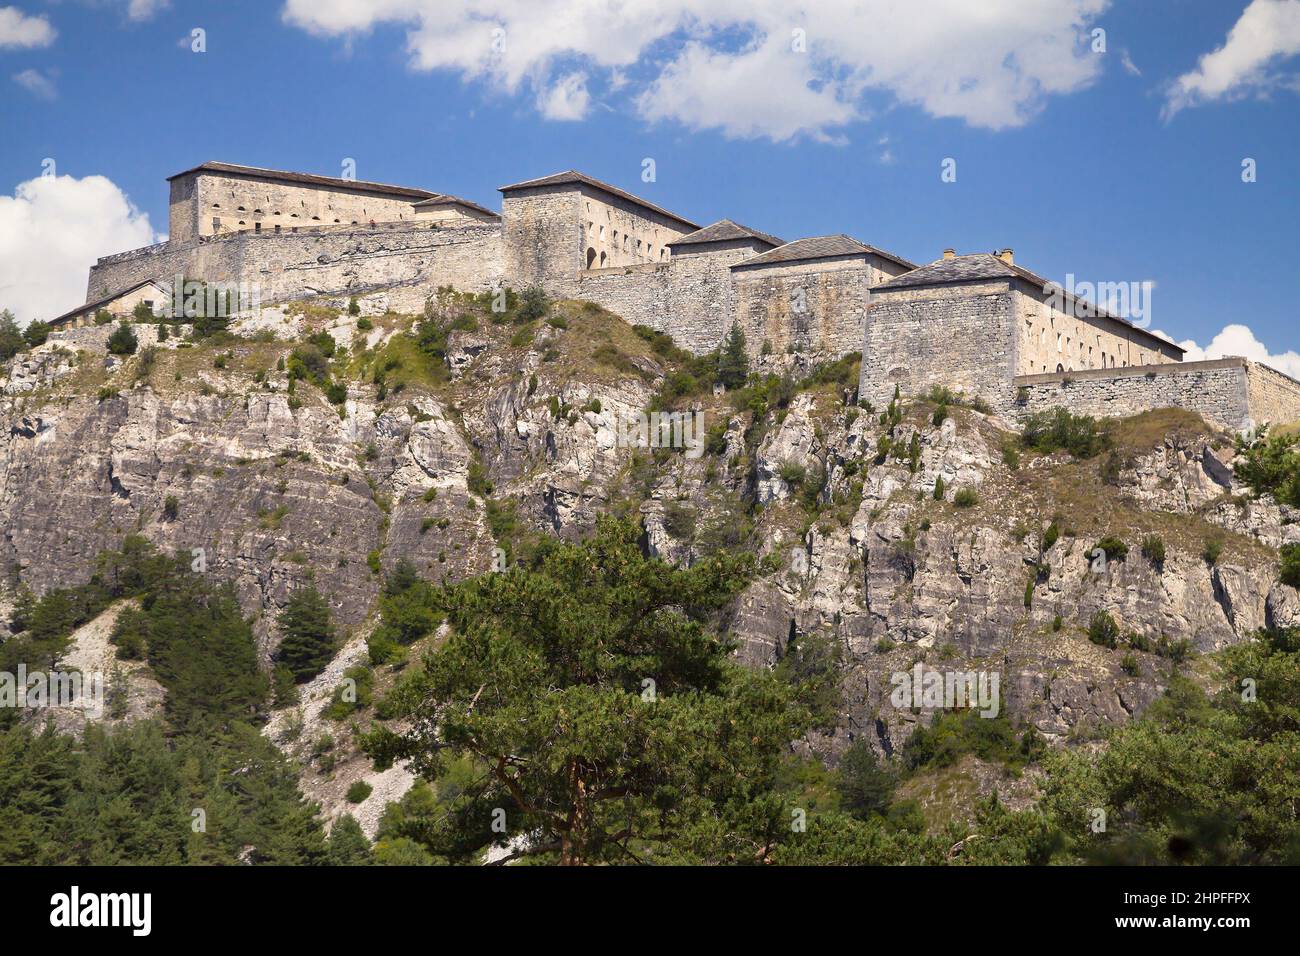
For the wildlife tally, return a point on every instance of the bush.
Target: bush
(1213, 550)
(336, 393)
(122, 341)
(359, 790)
(1153, 549)
(938, 488)
(1080, 435)
(1290, 571)
(171, 508)
(36, 333)
(1103, 630)
(1115, 549)
(965, 498)
(792, 473)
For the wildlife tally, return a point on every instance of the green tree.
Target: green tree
(608, 718)
(348, 845)
(36, 333)
(733, 362)
(11, 337)
(866, 787)
(309, 639)
(122, 341)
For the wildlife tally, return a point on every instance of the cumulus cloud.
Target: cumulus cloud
(1240, 340)
(144, 9)
(567, 98)
(18, 30)
(37, 83)
(1267, 32)
(751, 68)
(51, 231)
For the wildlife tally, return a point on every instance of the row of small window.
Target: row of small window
(627, 243)
(1065, 346)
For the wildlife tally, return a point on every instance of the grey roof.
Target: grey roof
(724, 230)
(819, 247)
(443, 199)
(986, 265)
(572, 177)
(307, 179)
(107, 299)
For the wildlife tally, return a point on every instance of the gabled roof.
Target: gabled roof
(819, 247)
(724, 230)
(573, 177)
(307, 179)
(443, 199)
(107, 299)
(986, 265)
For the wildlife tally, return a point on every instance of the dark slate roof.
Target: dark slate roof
(986, 265)
(308, 179)
(443, 199)
(107, 299)
(572, 177)
(724, 230)
(819, 247)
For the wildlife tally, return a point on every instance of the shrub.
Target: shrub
(1103, 630)
(1080, 435)
(122, 341)
(1129, 665)
(171, 508)
(359, 790)
(965, 498)
(354, 308)
(336, 393)
(938, 488)
(792, 473)
(1290, 571)
(1115, 549)
(1213, 550)
(1051, 536)
(1153, 549)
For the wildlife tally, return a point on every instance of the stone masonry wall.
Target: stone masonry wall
(413, 260)
(1272, 396)
(1215, 389)
(542, 239)
(689, 296)
(816, 308)
(961, 337)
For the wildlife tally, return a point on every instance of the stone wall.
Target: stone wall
(411, 260)
(542, 238)
(207, 203)
(689, 296)
(1052, 335)
(1216, 389)
(1272, 396)
(962, 337)
(815, 307)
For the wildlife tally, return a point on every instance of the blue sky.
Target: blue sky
(1122, 165)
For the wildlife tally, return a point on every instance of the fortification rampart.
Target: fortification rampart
(1232, 392)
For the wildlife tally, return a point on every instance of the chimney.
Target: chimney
(950, 253)
(1006, 256)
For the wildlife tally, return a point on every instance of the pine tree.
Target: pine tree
(11, 338)
(733, 363)
(348, 845)
(309, 639)
(122, 341)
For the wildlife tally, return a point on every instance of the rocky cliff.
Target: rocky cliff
(512, 427)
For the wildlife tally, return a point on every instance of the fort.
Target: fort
(978, 323)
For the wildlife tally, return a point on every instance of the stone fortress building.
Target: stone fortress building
(977, 323)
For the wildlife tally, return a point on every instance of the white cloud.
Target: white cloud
(51, 231)
(17, 29)
(567, 99)
(37, 83)
(1126, 61)
(732, 65)
(1240, 340)
(1267, 32)
(144, 9)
